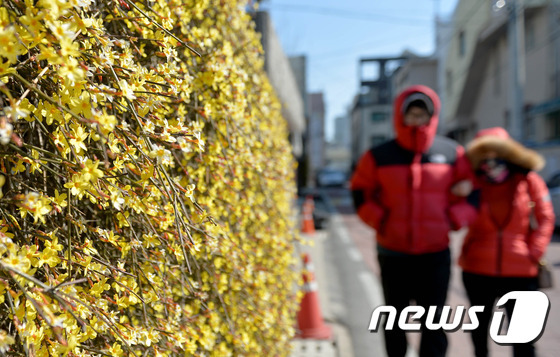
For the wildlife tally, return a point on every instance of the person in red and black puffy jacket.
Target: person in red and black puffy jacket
(412, 190)
(502, 249)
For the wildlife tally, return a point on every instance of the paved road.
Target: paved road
(353, 276)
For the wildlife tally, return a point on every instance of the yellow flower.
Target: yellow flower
(36, 204)
(11, 48)
(150, 336)
(71, 70)
(5, 69)
(78, 137)
(61, 30)
(150, 240)
(36, 163)
(126, 90)
(109, 236)
(5, 341)
(60, 200)
(6, 131)
(107, 122)
(18, 261)
(83, 105)
(162, 155)
(190, 192)
(98, 288)
(116, 350)
(15, 112)
(68, 48)
(113, 144)
(89, 249)
(77, 186)
(91, 171)
(2, 182)
(48, 256)
(123, 219)
(49, 53)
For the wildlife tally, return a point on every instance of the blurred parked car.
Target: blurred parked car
(331, 177)
(554, 189)
(321, 213)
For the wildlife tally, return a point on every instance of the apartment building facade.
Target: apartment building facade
(479, 73)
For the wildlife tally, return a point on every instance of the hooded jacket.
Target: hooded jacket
(502, 241)
(402, 188)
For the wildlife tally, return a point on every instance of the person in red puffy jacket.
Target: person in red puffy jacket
(409, 190)
(502, 249)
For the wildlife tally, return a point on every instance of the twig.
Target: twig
(163, 28)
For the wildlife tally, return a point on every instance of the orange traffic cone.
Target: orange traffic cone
(308, 226)
(309, 318)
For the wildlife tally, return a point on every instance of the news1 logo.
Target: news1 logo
(526, 324)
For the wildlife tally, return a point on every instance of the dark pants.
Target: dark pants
(485, 290)
(423, 278)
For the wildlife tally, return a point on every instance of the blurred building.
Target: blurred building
(342, 131)
(487, 82)
(299, 68)
(370, 113)
(415, 70)
(444, 32)
(337, 152)
(372, 110)
(315, 135)
(282, 78)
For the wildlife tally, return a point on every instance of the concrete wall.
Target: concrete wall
(491, 96)
(283, 80)
(316, 133)
(444, 32)
(342, 131)
(338, 157)
(416, 71)
(469, 18)
(364, 128)
(299, 68)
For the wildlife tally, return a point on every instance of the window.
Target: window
(377, 140)
(529, 35)
(449, 81)
(554, 181)
(553, 125)
(497, 72)
(378, 117)
(528, 128)
(462, 44)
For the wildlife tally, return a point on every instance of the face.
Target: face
(416, 116)
(493, 169)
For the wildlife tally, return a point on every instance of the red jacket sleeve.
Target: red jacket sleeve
(364, 186)
(543, 213)
(461, 214)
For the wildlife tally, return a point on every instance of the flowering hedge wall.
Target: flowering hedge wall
(146, 182)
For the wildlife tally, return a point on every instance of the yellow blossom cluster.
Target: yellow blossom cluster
(146, 180)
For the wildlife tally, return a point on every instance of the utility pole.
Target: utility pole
(516, 36)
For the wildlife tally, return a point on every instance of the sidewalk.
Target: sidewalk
(341, 345)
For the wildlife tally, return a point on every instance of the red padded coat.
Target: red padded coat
(402, 188)
(501, 241)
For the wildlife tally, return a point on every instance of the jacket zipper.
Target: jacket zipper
(500, 248)
(501, 228)
(412, 232)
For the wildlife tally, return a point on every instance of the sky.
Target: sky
(335, 34)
